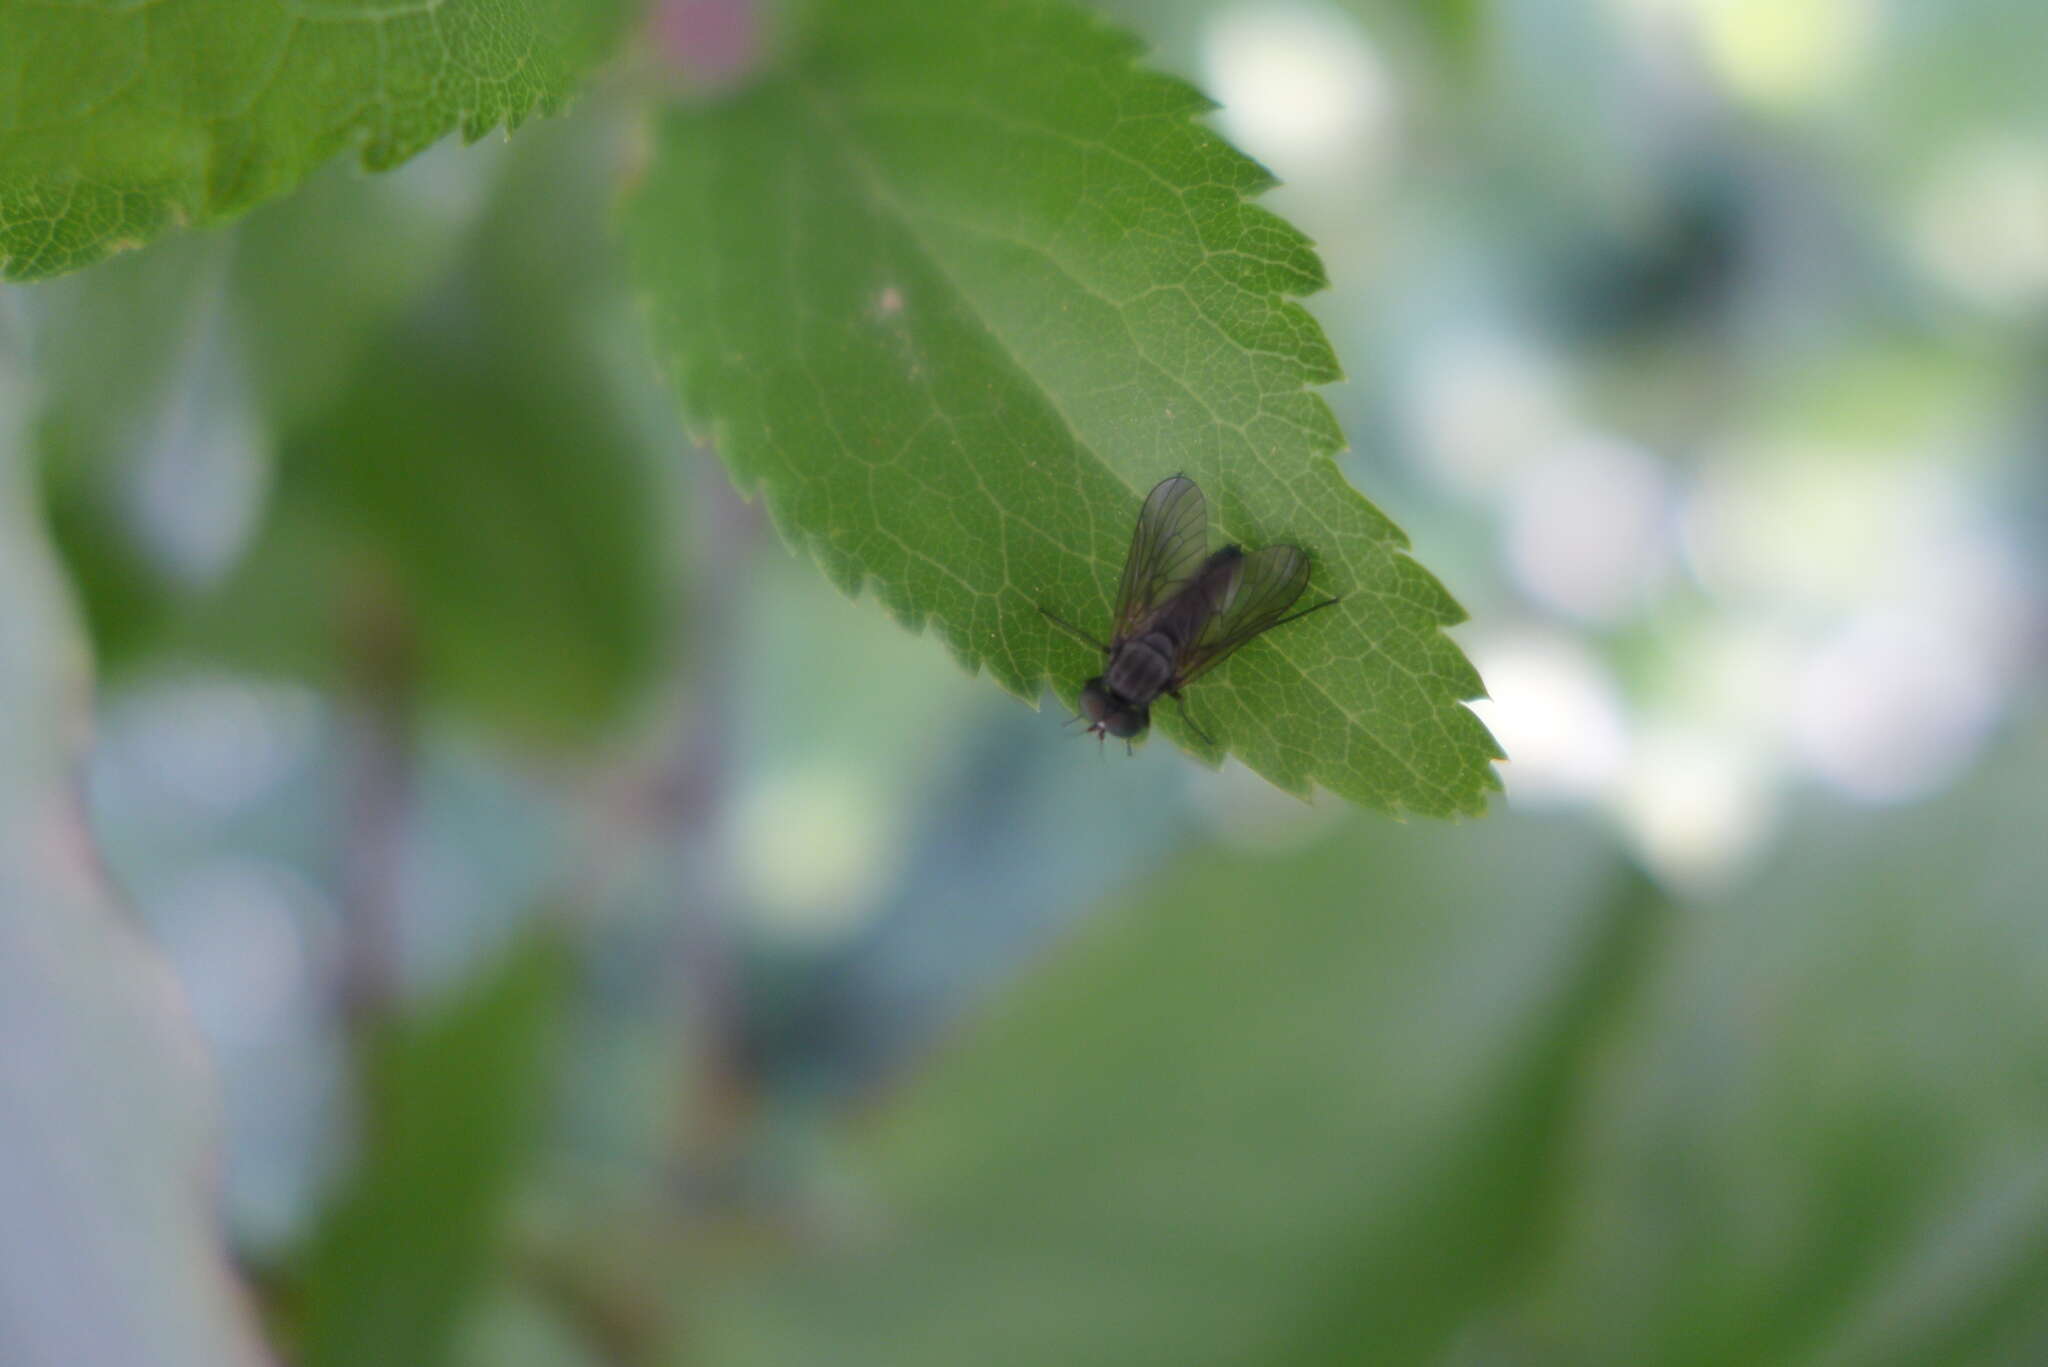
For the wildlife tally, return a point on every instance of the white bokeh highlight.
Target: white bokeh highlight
(1772, 52)
(1589, 529)
(1558, 712)
(1303, 90)
(1480, 403)
(845, 842)
(1981, 225)
(1699, 803)
(1891, 706)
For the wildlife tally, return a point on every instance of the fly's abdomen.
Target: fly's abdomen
(1142, 667)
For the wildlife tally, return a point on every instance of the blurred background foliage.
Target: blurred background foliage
(615, 946)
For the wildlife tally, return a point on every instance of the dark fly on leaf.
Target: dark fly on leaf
(1182, 609)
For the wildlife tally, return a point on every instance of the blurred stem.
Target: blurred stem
(671, 818)
(380, 666)
(697, 785)
(615, 1313)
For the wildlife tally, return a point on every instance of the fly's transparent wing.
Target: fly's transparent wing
(1268, 584)
(1169, 545)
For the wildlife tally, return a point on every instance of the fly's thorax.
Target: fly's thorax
(1180, 621)
(1142, 668)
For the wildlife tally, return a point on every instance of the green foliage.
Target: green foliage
(355, 253)
(1822, 1140)
(454, 441)
(452, 1108)
(118, 360)
(119, 121)
(479, 457)
(955, 286)
(1221, 1130)
(1454, 31)
(1482, 1096)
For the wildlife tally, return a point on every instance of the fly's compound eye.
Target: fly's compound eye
(1127, 723)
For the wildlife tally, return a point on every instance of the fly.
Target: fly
(1182, 609)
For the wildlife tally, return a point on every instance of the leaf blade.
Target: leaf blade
(956, 290)
(123, 122)
(1201, 1135)
(409, 1245)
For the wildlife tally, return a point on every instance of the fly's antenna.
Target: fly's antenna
(1064, 625)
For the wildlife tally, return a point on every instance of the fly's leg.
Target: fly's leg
(1296, 617)
(1189, 717)
(1064, 625)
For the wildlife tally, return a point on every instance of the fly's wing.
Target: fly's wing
(1169, 545)
(1268, 583)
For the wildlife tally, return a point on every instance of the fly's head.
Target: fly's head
(1109, 715)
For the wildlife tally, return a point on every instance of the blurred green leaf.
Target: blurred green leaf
(122, 121)
(1232, 1126)
(112, 349)
(1458, 27)
(481, 473)
(110, 1249)
(318, 276)
(957, 286)
(122, 360)
(1479, 1097)
(514, 530)
(451, 1115)
(1455, 30)
(160, 362)
(441, 364)
(1822, 1142)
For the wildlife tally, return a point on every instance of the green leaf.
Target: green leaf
(1823, 1141)
(119, 121)
(319, 276)
(1455, 29)
(514, 537)
(127, 363)
(414, 1239)
(485, 458)
(204, 345)
(468, 456)
(110, 1248)
(1472, 1097)
(1211, 1134)
(956, 286)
